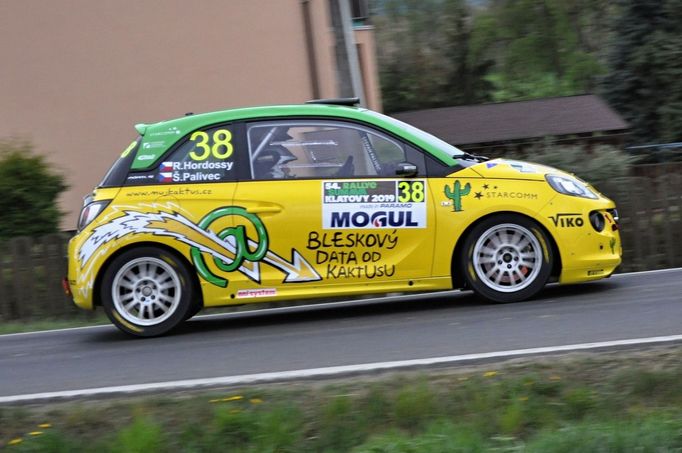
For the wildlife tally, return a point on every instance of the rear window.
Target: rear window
(116, 175)
(206, 156)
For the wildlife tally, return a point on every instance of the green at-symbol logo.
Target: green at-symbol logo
(235, 239)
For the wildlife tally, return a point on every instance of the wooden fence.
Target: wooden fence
(31, 270)
(651, 220)
(650, 210)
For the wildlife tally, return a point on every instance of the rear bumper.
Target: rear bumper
(79, 286)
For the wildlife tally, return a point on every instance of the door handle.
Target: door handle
(264, 209)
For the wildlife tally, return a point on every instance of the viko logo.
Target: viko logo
(567, 220)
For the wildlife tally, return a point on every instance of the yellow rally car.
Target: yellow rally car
(323, 199)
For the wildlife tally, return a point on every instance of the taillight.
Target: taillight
(66, 286)
(90, 211)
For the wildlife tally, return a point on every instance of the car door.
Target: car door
(333, 212)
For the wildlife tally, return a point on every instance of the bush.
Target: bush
(29, 188)
(596, 165)
(440, 436)
(655, 434)
(141, 436)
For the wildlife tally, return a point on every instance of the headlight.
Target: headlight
(90, 211)
(570, 186)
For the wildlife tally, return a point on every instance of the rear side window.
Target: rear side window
(116, 176)
(206, 156)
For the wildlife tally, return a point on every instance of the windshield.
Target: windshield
(430, 140)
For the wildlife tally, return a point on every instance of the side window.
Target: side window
(315, 149)
(207, 155)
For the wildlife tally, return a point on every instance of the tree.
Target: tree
(598, 165)
(436, 53)
(424, 58)
(542, 48)
(644, 81)
(466, 83)
(29, 188)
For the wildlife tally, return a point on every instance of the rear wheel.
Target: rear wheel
(146, 292)
(507, 258)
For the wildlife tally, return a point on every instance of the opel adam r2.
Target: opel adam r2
(323, 199)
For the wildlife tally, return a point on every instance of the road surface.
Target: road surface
(400, 329)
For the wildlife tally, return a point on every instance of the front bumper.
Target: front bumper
(588, 250)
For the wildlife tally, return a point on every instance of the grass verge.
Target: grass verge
(82, 318)
(627, 401)
(37, 325)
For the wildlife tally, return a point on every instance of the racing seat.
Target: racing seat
(347, 169)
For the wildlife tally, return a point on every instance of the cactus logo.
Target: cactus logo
(456, 194)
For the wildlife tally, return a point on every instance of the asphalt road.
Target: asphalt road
(623, 307)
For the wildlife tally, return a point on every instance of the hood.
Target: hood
(515, 169)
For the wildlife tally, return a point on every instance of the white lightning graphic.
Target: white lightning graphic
(185, 231)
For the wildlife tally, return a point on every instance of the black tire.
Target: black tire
(196, 308)
(507, 258)
(147, 291)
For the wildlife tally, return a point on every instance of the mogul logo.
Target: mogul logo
(567, 220)
(378, 219)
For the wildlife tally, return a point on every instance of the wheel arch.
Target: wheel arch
(96, 301)
(457, 274)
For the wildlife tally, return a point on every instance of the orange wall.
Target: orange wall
(77, 74)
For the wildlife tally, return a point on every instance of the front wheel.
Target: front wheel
(146, 292)
(507, 258)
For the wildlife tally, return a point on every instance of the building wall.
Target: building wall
(77, 74)
(366, 46)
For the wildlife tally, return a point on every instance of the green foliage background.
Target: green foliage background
(29, 188)
(644, 79)
(424, 55)
(448, 52)
(598, 165)
(435, 53)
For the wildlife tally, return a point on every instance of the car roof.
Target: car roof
(191, 121)
(157, 138)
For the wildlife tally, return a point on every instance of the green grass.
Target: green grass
(611, 403)
(36, 325)
(83, 318)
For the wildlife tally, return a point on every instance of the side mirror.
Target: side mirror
(406, 169)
